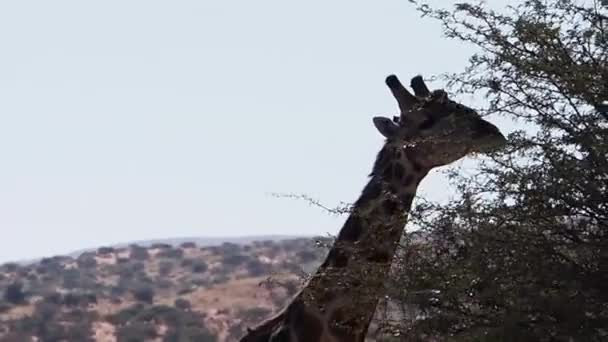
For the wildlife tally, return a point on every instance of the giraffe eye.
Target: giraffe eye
(428, 123)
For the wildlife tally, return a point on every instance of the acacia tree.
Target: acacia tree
(521, 253)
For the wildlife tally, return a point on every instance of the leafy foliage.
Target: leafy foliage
(520, 253)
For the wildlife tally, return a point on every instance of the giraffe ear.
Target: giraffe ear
(386, 126)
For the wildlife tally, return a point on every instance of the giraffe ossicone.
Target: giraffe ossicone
(339, 301)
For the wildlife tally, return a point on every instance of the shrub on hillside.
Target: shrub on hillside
(86, 261)
(32, 277)
(255, 268)
(187, 262)
(5, 306)
(10, 267)
(164, 283)
(229, 247)
(49, 265)
(199, 266)
(47, 261)
(14, 293)
(220, 279)
(130, 269)
(123, 316)
(23, 272)
(41, 269)
(118, 290)
(189, 333)
(173, 253)
(71, 299)
(268, 243)
(233, 260)
(53, 297)
(144, 293)
(166, 314)
(139, 253)
(182, 325)
(199, 281)
(121, 260)
(71, 278)
(49, 278)
(136, 332)
(79, 299)
(185, 289)
(79, 330)
(143, 277)
(17, 336)
(105, 250)
(79, 314)
(46, 311)
(51, 331)
(165, 267)
(161, 246)
(182, 304)
(188, 244)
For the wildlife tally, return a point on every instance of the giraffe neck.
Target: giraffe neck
(340, 300)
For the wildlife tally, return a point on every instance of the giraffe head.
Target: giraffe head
(439, 130)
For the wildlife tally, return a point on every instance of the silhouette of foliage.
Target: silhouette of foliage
(14, 293)
(188, 244)
(138, 253)
(173, 253)
(519, 253)
(161, 246)
(199, 266)
(144, 293)
(182, 304)
(105, 250)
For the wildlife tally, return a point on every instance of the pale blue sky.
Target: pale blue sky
(129, 120)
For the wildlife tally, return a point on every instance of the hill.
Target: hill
(176, 290)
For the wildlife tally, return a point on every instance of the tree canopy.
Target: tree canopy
(521, 252)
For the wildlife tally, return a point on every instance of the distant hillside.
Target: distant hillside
(164, 290)
(172, 290)
(201, 241)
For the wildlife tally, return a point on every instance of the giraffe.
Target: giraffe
(339, 301)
